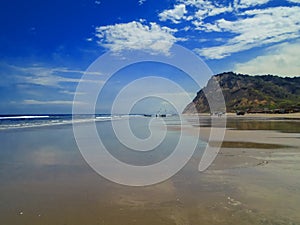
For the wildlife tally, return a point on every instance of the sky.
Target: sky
(46, 46)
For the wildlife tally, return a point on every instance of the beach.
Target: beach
(254, 179)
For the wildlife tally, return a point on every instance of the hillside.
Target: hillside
(266, 93)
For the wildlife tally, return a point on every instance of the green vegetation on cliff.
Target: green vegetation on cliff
(266, 93)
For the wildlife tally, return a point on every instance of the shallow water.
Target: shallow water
(45, 180)
(286, 125)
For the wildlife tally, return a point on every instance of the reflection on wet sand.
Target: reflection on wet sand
(233, 144)
(254, 180)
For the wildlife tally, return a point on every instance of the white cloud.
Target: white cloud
(206, 8)
(294, 1)
(52, 77)
(282, 59)
(136, 36)
(141, 2)
(43, 76)
(175, 15)
(259, 28)
(216, 7)
(196, 3)
(36, 102)
(54, 102)
(247, 27)
(249, 3)
(64, 70)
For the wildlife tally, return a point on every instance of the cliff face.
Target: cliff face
(250, 93)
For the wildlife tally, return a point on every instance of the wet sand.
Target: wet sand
(255, 179)
(259, 161)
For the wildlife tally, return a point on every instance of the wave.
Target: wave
(116, 117)
(32, 121)
(104, 117)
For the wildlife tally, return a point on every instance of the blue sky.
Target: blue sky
(45, 46)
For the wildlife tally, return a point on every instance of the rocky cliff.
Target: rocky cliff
(265, 93)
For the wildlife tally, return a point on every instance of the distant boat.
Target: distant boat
(161, 115)
(147, 115)
(240, 113)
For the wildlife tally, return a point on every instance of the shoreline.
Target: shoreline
(264, 115)
(253, 115)
(267, 115)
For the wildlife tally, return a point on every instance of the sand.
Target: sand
(261, 165)
(260, 115)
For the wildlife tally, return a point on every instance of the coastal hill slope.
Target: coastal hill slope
(265, 93)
